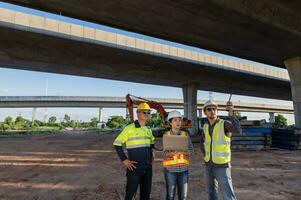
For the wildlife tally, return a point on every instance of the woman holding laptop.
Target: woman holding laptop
(176, 159)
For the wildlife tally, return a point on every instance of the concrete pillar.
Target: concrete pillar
(272, 117)
(200, 116)
(293, 66)
(100, 115)
(190, 105)
(33, 115)
(46, 115)
(200, 113)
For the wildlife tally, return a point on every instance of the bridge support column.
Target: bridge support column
(33, 115)
(100, 114)
(190, 105)
(45, 115)
(293, 66)
(272, 117)
(200, 111)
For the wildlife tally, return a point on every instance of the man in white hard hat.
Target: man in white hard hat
(217, 150)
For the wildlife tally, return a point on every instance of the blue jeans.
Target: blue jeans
(176, 180)
(219, 176)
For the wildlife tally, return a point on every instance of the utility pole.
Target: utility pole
(210, 96)
(46, 109)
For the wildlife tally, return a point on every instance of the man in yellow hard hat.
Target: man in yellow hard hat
(217, 150)
(139, 142)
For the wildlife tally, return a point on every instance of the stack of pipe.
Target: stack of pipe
(252, 138)
(286, 139)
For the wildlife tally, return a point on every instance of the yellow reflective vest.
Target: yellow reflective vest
(177, 159)
(135, 137)
(217, 146)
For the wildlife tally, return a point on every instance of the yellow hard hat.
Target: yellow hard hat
(143, 106)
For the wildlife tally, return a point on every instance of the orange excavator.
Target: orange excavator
(132, 100)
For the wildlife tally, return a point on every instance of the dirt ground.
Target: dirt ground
(81, 166)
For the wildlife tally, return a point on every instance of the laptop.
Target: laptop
(175, 142)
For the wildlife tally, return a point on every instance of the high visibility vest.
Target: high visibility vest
(217, 146)
(176, 159)
(134, 137)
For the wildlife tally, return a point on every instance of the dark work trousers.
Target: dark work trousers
(142, 177)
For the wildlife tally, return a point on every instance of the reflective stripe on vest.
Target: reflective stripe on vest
(177, 159)
(137, 146)
(217, 146)
(134, 137)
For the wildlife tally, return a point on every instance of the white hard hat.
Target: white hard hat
(174, 114)
(209, 103)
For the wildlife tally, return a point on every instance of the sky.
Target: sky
(28, 83)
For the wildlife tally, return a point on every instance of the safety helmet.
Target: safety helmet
(143, 106)
(174, 114)
(209, 103)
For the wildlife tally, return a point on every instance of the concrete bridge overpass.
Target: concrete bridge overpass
(266, 31)
(37, 43)
(41, 44)
(119, 102)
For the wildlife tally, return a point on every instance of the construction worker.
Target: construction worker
(217, 150)
(176, 163)
(139, 142)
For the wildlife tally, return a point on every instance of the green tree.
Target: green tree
(38, 123)
(155, 121)
(9, 121)
(72, 124)
(84, 125)
(20, 122)
(280, 119)
(67, 118)
(116, 122)
(27, 125)
(52, 120)
(4, 127)
(94, 122)
(66, 121)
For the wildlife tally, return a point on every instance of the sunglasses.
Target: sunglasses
(146, 112)
(210, 109)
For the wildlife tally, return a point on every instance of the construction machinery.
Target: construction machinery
(132, 100)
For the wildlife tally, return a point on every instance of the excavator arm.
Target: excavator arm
(132, 100)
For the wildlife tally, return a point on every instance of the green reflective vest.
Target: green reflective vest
(135, 137)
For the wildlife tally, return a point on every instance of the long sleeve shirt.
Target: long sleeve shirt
(141, 153)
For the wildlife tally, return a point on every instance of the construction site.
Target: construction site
(85, 166)
(266, 163)
(176, 51)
